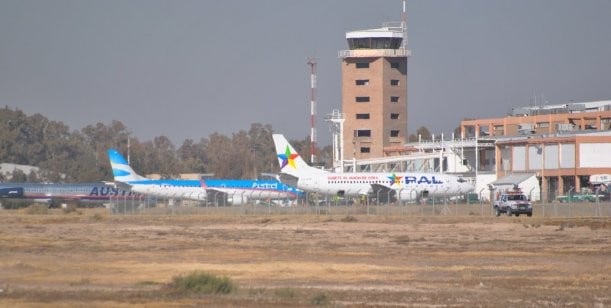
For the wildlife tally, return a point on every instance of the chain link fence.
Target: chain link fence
(316, 205)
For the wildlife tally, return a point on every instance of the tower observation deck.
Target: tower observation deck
(385, 41)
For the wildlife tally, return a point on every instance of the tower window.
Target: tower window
(362, 116)
(365, 150)
(362, 82)
(394, 99)
(394, 65)
(362, 99)
(362, 133)
(394, 82)
(394, 133)
(362, 64)
(394, 116)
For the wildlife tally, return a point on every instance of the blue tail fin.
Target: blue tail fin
(121, 170)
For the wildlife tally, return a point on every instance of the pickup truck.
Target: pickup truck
(513, 203)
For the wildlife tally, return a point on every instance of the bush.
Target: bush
(202, 283)
(38, 209)
(12, 204)
(285, 293)
(69, 208)
(320, 299)
(349, 218)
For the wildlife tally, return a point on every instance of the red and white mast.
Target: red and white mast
(312, 64)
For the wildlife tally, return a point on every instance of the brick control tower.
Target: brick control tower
(374, 91)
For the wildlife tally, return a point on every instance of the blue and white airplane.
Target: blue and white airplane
(392, 186)
(239, 191)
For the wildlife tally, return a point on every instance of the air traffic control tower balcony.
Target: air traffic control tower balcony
(380, 42)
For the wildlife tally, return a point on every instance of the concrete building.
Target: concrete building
(374, 92)
(562, 162)
(563, 145)
(547, 119)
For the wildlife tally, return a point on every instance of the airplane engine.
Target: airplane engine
(237, 200)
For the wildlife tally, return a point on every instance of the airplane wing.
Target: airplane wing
(289, 179)
(215, 194)
(384, 193)
(120, 185)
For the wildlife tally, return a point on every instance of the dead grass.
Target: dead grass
(96, 259)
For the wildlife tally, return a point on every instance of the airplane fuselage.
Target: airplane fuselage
(201, 190)
(406, 186)
(44, 192)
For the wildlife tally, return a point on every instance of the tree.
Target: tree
(423, 132)
(18, 176)
(218, 150)
(191, 157)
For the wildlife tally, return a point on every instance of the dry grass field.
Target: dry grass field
(91, 258)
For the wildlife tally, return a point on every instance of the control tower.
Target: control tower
(374, 91)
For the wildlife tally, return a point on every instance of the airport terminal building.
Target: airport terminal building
(561, 146)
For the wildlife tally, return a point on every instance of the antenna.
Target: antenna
(312, 64)
(404, 25)
(128, 148)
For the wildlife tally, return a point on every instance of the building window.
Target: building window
(362, 116)
(394, 116)
(365, 150)
(394, 82)
(362, 133)
(394, 65)
(394, 99)
(362, 64)
(362, 82)
(362, 99)
(394, 133)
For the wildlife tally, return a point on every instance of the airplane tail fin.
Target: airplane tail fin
(290, 161)
(121, 170)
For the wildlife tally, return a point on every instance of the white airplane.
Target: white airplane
(385, 186)
(239, 191)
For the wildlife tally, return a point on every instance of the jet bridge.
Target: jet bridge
(436, 156)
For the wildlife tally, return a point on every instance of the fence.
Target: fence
(345, 207)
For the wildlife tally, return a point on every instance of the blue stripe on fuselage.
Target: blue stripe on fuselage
(222, 183)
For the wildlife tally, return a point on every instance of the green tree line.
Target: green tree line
(65, 155)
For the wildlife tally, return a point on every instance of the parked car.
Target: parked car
(513, 203)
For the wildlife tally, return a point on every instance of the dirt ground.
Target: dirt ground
(92, 258)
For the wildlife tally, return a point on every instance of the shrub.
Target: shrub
(69, 208)
(203, 283)
(320, 299)
(11, 204)
(38, 209)
(349, 218)
(285, 293)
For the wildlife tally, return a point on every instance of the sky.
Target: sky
(190, 68)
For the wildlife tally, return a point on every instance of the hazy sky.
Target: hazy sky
(186, 69)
